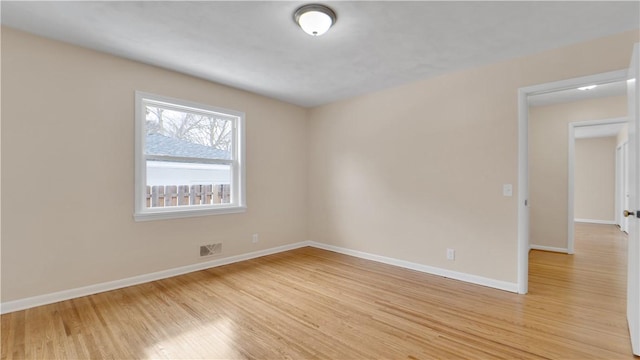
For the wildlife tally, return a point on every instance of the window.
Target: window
(189, 159)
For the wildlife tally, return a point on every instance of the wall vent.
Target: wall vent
(211, 249)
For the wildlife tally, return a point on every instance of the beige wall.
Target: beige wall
(67, 170)
(595, 179)
(404, 173)
(548, 163)
(410, 171)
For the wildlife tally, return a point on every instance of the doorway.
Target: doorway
(594, 200)
(523, 157)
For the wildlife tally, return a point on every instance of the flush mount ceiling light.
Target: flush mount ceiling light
(315, 19)
(587, 87)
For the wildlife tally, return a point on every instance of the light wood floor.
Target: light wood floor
(310, 303)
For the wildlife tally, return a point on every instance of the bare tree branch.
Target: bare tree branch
(195, 128)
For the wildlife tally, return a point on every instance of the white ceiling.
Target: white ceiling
(374, 45)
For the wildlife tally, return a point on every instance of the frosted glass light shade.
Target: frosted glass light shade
(315, 19)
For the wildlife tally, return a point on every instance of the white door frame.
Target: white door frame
(633, 245)
(523, 157)
(622, 182)
(619, 173)
(625, 186)
(571, 173)
(621, 190)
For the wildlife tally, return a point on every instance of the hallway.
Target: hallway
(587, 290)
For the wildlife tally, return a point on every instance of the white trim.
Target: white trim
(523, 192)
(186, 212)
(550, 248)
(523, 157)
(618, 120)
(21, 304)
(241, 168)
(625, 186)
(571, 143)
(27, 303)
(618, 187)
(238, 183)
(594, 221)
(474, 279)
(633, 226)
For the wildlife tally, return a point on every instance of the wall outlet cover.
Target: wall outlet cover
(451, 254)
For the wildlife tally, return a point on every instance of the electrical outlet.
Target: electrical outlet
(254, 238)
(451, 254)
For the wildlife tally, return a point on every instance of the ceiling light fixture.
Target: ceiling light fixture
(587, 87)
(315, 19)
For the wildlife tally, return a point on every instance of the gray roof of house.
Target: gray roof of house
(161, 145)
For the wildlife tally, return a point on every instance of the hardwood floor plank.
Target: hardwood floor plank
(315, 304)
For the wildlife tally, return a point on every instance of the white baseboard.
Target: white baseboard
(549, 248)
(21, 304)
(594, 221)
(474, 279)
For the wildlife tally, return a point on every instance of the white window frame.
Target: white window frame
(238, 182)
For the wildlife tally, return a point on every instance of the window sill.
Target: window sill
(186, 213)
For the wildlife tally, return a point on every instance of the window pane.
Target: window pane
(189, 159)
(179, 183)
(176, 133)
